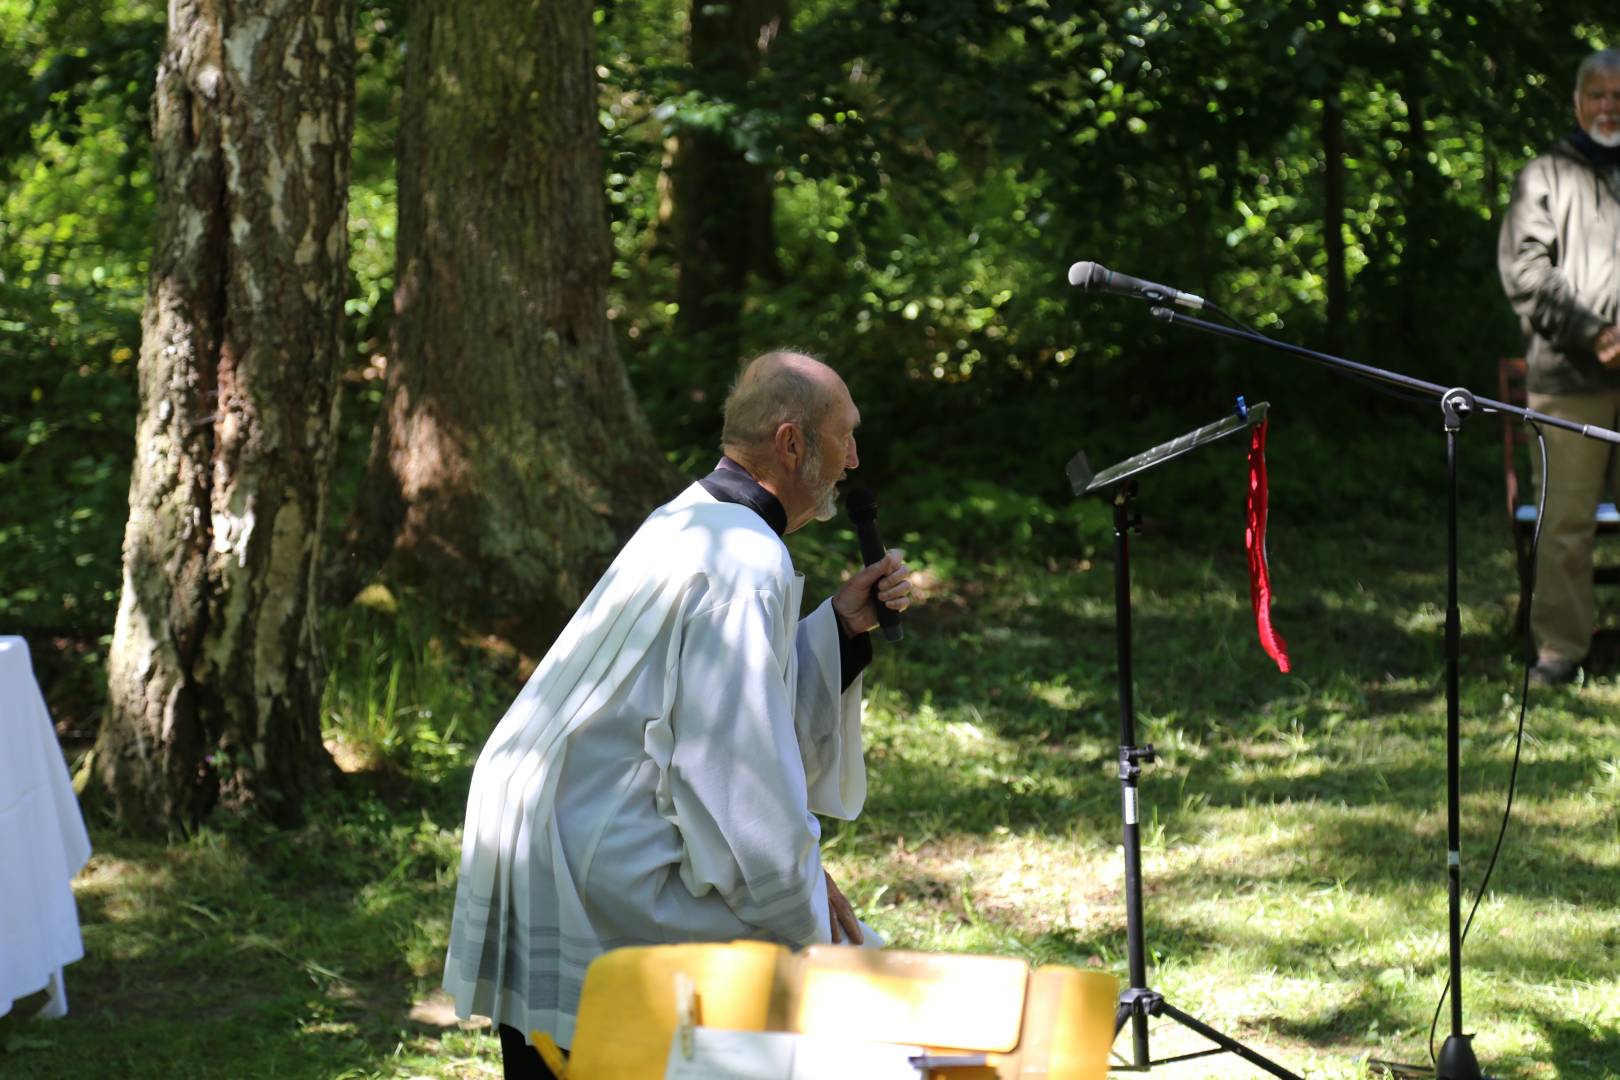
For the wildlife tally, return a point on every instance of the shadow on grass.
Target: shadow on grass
(1371, 823)
(1361, 615)
(1199, 666)
(1581, 1047)
(302, 953)
(248, 952)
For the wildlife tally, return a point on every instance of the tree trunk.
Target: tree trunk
(214, 680)
(510, 456)
(724, 227)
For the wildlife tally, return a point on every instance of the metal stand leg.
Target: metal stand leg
(1138, 1002)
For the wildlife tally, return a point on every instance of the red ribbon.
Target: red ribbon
(1254, 539)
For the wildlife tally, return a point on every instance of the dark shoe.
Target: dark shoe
(1555, 672)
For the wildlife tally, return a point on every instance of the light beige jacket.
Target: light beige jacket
(1559, 256)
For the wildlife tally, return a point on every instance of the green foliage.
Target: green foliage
(73, 68)
(373, 224)
(379, 48)
(65, 433)
(939, 166)
(75, 227)
(936, 167)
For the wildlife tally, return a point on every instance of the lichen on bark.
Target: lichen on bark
(214, 679)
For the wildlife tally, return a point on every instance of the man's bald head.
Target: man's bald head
(781, 387)
(790, 422)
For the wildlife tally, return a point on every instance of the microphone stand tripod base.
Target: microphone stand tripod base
(1457, 1061)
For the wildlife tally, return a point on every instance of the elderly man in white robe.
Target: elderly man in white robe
(658, 778)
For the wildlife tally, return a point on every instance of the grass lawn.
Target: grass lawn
(1293, 831)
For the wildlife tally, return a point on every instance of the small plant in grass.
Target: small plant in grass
(402, 694)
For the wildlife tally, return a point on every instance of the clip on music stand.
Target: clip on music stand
(1139, 1001)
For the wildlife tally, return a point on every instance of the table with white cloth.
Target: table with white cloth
(43, 842)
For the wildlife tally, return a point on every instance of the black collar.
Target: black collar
(1597, 154)
(730, 483)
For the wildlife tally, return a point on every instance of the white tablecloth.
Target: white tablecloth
(42, 839)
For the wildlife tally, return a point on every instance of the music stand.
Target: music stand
(1139, 1001)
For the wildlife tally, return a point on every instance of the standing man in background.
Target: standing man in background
(659, 777)
(1559, 257)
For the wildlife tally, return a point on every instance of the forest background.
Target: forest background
(900, 189)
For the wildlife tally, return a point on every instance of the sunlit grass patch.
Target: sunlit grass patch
(1293, 833)
(402, 693)
(1293, 830)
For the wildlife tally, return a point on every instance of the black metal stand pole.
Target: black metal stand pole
(1138, 1001)
(1457, 1061)
(1130, 770)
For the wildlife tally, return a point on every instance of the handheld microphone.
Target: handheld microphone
(862, 507)
(1095, 277)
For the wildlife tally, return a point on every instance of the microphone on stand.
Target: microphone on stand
(862, 507)
(1095, 277)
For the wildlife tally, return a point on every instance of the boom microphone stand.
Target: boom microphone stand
(1139, 1001)
(1457, 1060)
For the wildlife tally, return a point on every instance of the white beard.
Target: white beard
(826, 497)
(1607, 139)
(829, 504)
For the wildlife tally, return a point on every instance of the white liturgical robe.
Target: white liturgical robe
(658, 777)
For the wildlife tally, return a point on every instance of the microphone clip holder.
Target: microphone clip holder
(1132, 758)
(1455, 404)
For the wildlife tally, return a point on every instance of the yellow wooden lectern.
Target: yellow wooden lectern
(1056, 1023)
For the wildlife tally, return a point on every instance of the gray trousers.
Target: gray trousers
(1580, 471)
